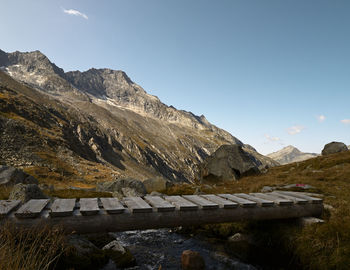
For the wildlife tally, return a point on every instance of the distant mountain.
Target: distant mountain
(290, 154)
(96, 125)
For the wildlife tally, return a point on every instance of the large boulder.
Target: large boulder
(123, 187)
(25, 193)
(229, 162)
(121, 256)
(10, 176)
(81, 254)
(334, 147)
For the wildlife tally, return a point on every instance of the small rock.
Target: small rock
(240, 237)
(328, 207)
(25, 193)
(156, 193)
(300, 186)
(115, 246)
(121, 256)
(305, 221)
(192, 260)
(267, 189)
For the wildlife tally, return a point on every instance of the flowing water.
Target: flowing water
(163, 247)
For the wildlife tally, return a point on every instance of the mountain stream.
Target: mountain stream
(163, 247)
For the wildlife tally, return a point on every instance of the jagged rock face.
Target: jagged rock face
(35, 69)
(98, 117)
(228, 163)
(115, 88)
(334, 147)
(290, 154)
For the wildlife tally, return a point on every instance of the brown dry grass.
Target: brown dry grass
(318, 247)
(76, 193)
(28, 249)
(4, 192)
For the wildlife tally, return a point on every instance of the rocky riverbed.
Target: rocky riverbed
(162, 249)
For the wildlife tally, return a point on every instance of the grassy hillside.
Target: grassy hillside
(285, 244)
(319, 246)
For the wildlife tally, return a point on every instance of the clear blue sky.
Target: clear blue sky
(264, 70)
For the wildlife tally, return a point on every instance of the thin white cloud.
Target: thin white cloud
(75, 13)
(345, 121)
(272, 139)
(321, 118)
(295, 130)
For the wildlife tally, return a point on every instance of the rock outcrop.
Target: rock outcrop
(25, 193)
(10, 176)
(230, 162)
(334, 147)
(290, 154)
(123, 187)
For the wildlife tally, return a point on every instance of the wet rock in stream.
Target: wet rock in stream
(155, 248)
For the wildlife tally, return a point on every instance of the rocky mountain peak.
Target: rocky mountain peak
(105, 87)
(103, 83)
(3, 59)
(290, 154)
(290, 149)
(34, 62)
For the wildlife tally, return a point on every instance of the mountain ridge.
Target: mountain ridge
(108, 119)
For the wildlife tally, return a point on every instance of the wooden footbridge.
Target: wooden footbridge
(89, 215)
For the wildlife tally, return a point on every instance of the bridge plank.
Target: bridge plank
(223, 203)
(160, 204)
(302, 196)
(269, 196)
(137, 205)
(112, 205)
(181, 203)
(32, 208)
(89, 206)
(62, 207)
(6, 206)
(202, 202)
(294, 199)
(242, 202)
(259, 201)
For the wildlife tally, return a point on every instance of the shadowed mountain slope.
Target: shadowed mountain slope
(96, 125)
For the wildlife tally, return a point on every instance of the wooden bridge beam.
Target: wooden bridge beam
(131, 217)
